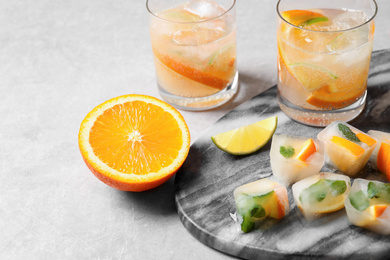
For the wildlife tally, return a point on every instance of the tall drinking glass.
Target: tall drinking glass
(194, 47)
(324, 53)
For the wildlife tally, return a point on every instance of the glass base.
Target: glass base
(202, 103)
(321, 117)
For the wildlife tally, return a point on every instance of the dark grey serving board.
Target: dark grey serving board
(205, 183)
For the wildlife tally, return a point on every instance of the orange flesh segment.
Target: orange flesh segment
(298, 17)
(308, 149)
(210, 79)
(383, 159)
(377, 210)
(366, 139)
(355, 149)
(277, 208)
(129, 146)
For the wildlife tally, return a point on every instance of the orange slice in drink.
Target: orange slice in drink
(134, 142)
(326, 98)
(303, 17)
(308, 149)
(215, 78)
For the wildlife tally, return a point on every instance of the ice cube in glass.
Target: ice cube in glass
(258, 200)
(321, 194)
(294, 158)
(368, 205)
(347, 149)
(380, 157)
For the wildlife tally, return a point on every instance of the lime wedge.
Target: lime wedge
(226, 53)
(246, 139)
(313, 77)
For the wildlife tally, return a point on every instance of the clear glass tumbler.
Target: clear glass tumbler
(324, 54)
(194, 47)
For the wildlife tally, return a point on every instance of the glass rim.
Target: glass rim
(345, 30)
(196, 22)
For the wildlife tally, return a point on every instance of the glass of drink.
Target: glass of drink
(194, 47)
(324, 53)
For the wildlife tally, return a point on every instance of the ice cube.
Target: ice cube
(204, 8)
(258, 200)
(197, 36)
(380, 157)
(347, 148)
(290, 169)
(321, 193)
(350, 19)
(368, 205)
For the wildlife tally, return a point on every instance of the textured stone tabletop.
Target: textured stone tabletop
(58, 60)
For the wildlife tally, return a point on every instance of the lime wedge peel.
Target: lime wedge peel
(246, 139)
(315, 20)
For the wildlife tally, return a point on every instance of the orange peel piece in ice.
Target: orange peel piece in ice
(366, 139)
(352, 147)
(308, 149)
(377, 210)
(383, 159)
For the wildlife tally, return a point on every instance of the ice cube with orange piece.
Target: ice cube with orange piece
(321, 193)
(294, 158)
(347, 149)
(380, 157)
(259, 200)
(368, 205)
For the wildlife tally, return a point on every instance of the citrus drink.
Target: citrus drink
(194, 46)
(323, 63)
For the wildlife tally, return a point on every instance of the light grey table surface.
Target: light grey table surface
(58, 60)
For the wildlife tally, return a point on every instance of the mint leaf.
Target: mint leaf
(372, 190)
(287, 152)
(347, 132)
(379, 191)
(318, 191)
(338, 186)
(258, 212)
(247, 225)
(359, 201)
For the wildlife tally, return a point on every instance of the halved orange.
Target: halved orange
(134, 142)
(308, 149)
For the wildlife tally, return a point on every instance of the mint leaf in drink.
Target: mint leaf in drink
(347, 132)
(338, 186)
(287, 152)
(359, 201)
(247, 225)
